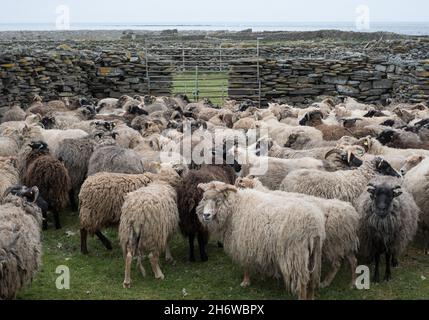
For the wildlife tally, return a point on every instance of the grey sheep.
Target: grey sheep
(15, 113)
(115, 159)
(389, 218)
(76, 153)
(345, 185)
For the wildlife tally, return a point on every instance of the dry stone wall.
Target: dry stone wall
(65, 72)
(301, 80)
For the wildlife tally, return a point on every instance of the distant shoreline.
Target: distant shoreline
(404, 28)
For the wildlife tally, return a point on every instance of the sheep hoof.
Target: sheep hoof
(160, 277)
(245, 284)
(324, 285)
(126, 285)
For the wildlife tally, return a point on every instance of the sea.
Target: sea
(407, 28)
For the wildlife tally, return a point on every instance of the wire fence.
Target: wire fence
(203, 72)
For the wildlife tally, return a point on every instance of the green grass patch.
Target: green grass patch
(100, 274)
(213, 85)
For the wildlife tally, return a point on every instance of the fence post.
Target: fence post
(196, 94)
(258, 71)
(220, 57)
(183, 59)
(147, 70)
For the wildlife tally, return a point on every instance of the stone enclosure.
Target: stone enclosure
(296, 73)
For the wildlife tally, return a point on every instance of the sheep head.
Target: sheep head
(382, 197)
(387, 136)
(312, 118)
(215, 196)
(351, 155)
(38, 145)
(384, 168)
(410, 163)
(29, 194)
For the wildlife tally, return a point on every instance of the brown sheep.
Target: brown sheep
(189, 196)
(50, 176)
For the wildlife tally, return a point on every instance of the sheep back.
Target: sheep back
(51, 177)
(149, 217)
(102, 196)
(115, 159)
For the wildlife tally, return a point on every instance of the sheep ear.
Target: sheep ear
(397, 191)
(204, 186)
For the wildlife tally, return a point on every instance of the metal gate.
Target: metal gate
(203, 71)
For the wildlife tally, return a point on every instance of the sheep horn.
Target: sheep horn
(8, 190)
(35, 190)
(349, 155)
(332, 152)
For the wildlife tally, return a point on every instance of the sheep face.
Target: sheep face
(215, 198)
(48, 122)
(312, 119)
(88, 112)
(38, 145)
(350, 155)
(382, 198)
(29, 194)
(410, 163)
(384, 168)
(386, 136)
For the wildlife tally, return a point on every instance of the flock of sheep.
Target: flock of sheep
(342, 181)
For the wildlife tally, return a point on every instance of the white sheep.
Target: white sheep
(148, 220)
(267, 234)
(20, 243)
(341, 226)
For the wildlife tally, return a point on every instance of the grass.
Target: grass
(213, 85)
(100, 274)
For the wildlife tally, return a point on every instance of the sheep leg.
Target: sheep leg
(202, 241)
(168, 256)
(246, 279)
(191, 247)
(154, 262)
(395, 262)
(302, 294)
(388, 274)
(45, 220)
(83, 238)
(353, 265)
(140, 266)
(57, 219)
(128, 261)
(72, 200)
(376, 277)
(104, 240)
(335, 266)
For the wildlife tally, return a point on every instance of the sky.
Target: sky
(194, 11)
